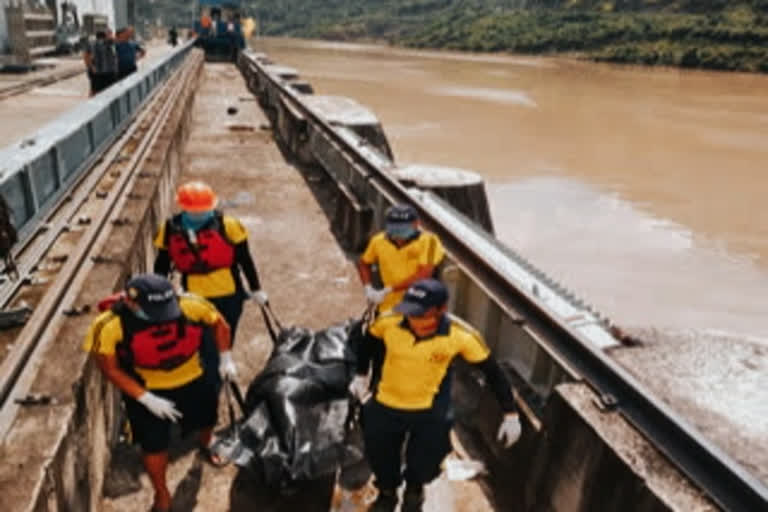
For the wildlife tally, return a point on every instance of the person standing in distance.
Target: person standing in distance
(403, 253)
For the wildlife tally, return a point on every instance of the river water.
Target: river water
(643, 189)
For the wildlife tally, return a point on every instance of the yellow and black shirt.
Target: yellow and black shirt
(218, 283)
(399, 263)
(413, 374)
(106, 333)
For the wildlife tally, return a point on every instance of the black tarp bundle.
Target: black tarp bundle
(298, 414)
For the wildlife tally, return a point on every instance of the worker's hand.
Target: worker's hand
(227, 368)
(261, 297)
(160, 407)
(509, 430)
(374, 295)
(359, 387)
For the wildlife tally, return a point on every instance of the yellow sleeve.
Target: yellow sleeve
(472, 347)
(236, 232)
(199, 310)
(383, 323)
(371, 254)
(433, 252)
(160, 237)
(104, 334)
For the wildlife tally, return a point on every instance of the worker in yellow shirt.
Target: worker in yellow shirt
(148, 345)
(410, 351)
(210, 250)
(403, 253)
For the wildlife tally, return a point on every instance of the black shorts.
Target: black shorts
(197, 401)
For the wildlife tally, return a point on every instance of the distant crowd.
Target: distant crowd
(111, 57)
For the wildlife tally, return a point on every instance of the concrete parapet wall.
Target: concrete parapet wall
(55, 457)
(582, 459)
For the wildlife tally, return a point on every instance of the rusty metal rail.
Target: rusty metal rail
(112, 178)
(725, 481)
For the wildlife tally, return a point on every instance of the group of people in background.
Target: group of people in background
(111, 57)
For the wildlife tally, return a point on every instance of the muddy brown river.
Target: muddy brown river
(642, 189)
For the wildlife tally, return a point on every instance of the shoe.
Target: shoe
(413, 498)
(385, 502)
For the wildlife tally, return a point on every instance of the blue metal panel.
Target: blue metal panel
(15, 193)
(43, 176)
(73, 151)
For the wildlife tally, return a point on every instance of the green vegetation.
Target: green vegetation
(714, 34)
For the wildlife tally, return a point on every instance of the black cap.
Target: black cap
(422, 296)
(155, 295)
(401, 213)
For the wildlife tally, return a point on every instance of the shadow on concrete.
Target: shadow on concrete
(249, 493)
(185, 497)
(323, 189)
(126, 468)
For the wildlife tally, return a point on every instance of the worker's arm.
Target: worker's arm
(244, 259)
(222, 334)
(498, 383)
(162, 265)
(140, 52)
(87, 59)
(366, 274)
(124, 382)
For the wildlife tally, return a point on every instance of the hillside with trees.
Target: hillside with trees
(714, 34)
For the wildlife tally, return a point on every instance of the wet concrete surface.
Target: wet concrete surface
(640, 189)
(310, 281)
(21, 115)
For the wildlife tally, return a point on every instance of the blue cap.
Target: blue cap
(422, 296)
(155, 295)
(400, 213)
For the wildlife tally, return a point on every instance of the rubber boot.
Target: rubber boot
(413, 498)
(385, 502)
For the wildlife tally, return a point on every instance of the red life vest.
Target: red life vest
(162, 346)
(212, 250)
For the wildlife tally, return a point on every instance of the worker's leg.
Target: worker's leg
(231, 308)
(428, 444)
(154, 435)
(384, 433)
(156, 465)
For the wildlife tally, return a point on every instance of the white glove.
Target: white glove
(260, 297)
(227, 368)
(374, 295)
(359, 387)
(160, 407)
(509, 430)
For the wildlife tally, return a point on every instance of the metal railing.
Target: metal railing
(36, 172)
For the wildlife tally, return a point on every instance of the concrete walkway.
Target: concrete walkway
(311, 282)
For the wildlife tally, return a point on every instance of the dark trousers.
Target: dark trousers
(230, 307)
(386, 430)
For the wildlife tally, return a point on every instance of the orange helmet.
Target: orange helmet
(196, 196)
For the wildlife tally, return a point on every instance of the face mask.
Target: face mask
(401, 231)
(195, 220)
(141, 315)
(423, 325)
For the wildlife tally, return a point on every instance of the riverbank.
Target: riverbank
(732, 39)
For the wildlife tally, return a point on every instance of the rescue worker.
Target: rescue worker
(148, 346)
(410, 351)
(210, 250)
(403, 254)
